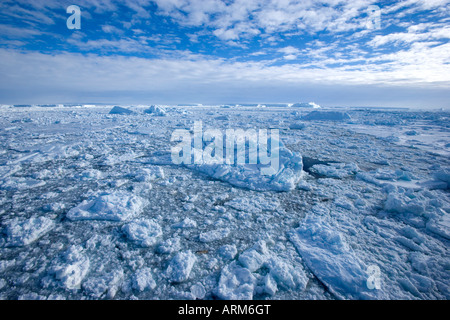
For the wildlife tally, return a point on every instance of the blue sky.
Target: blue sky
(333, 52)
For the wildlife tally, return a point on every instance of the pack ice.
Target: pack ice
(251, 176)
(92, 207)
(115, 206)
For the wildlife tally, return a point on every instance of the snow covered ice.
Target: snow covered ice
(92, 207)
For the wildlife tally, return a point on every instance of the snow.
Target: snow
(115, 206)
(23, 232)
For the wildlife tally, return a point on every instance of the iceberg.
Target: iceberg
(327, 116)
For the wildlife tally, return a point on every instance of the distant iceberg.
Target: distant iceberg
(155, 110)
(306, 105)
(120, 110)
(327, 116)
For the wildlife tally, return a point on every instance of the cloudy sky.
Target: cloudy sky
(332, 52)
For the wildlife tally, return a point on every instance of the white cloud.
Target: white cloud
(415, 33)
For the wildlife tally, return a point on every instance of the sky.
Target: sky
(332, 52)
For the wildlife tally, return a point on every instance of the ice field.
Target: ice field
(92, 206)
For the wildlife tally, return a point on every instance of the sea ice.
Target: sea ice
(105, 285)
(71, 268)
(144, 232)
(335, 170)
(329, 257)
(169, 246)
(115, 206)
(327, 116)
(23, 232)
(228, 251)
(143, 280)
(235, 283)
(250, 176)
(120, 110)
(155, 110)
(180, 266)
(214, 235)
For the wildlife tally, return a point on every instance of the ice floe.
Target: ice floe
(144, 232)
(180, 266)
(115, 206)
(23, 232)
(330, 258)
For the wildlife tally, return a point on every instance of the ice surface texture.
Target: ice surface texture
(250, 176)
(116, 206)
(92, 207)
(24, 232)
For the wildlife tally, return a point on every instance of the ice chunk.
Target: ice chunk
(144, 232)
(254, 204)
(120, 110)
(198, 291)
(72, 268)
(400, 203)
(440, 226)
(235, 283)
(270, 285)
(169, 246)
(252, 259)
(180, 266)
(286, 275)
(306, 105)
(283, 177)
(297, 126)
(329, 257)
(444, 176)
(214, 235)
(143, 280)
(335, 170)
(115, 206)
(20, 184)
(24, 232)
(90, 174)
(106, 284)
(150, 173)
(327, 116)
(155, 110)
(228, 251)
(186, 223)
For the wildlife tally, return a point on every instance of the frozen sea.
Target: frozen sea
(92, 207)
